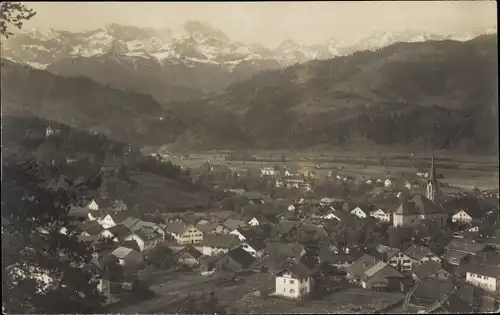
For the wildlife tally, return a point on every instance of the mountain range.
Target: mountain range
(439, 93)
(180, 65)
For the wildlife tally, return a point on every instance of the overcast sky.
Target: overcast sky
(272, 22)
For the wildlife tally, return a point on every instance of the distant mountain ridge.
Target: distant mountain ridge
(182, 65)
(393, 96)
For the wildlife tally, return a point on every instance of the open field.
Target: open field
(345, 301)
(173, 288)
(482, 172)
(160, 193)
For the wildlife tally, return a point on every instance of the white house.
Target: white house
(331, 216)
(461, 217)
(486, 277)
(293, 282)
(291, 208)
(387, 183)
(254, 222)
(401, 261)
(268, 171)
(185, 234)
(93, 205)
(112, 219)
(358, 212)
(381, 215)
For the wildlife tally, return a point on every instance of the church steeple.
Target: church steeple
(432, 184)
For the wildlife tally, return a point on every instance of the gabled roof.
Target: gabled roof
(277, 249)
(122, 252)
(465, 245)
(190, 251)
(147, 234)
(177, 227)
(433, 289)
(103, 203)
(241, 257)
(426, 269)
(252, 232)
(119, 231)
(286, 226)
(131, 244)
(360, 266)
(145, 225)
(389, 251)
(120, 216)
(130, 222)
(299, 270)
(417, 252)
(419, 204)
(206, 227)
(91, 227)
(480, 267)
(220, 240)
(232, 224)
(256, 244)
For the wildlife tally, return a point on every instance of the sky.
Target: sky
(269, 23)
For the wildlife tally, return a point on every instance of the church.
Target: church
(422, 208)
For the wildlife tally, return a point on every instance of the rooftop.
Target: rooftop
(417, 252)
(220, 240)
(242, 257)
(465, 245)
(122, 252)
(232, 224)
(426, 269)
(419, 204)
(299, 270)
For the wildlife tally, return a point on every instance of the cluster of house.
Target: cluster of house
(260, 244)
(268, 244)
(287, 178)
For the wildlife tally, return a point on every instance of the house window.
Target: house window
(292, 291)
(284, 280)
(292, 282)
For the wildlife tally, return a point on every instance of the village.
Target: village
(284, 241)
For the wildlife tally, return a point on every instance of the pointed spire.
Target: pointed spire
(432, 175)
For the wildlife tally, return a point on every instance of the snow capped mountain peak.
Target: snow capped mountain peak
(194, 42)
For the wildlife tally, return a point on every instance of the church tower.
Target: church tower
(432, 185)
